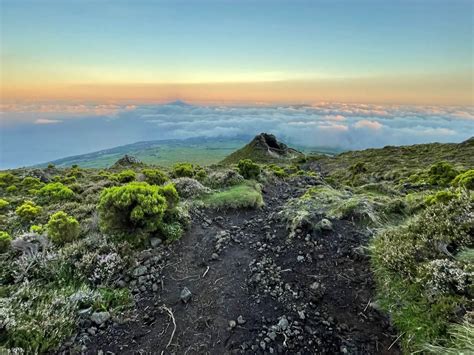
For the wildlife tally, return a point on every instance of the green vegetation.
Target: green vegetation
(418, 282)
(28, 211)
(465, 179)
(62, 228)
(55, 192)
(126, 176)
(3, 204)
(155, 176)
(246, 195)
(5, 241)
(135, 209)
(183, 170)
(248, 169)
(441, 174)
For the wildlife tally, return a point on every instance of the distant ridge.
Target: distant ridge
(264, 148)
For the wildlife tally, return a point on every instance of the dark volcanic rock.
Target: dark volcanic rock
(127, 160)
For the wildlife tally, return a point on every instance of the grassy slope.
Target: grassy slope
(162, 153)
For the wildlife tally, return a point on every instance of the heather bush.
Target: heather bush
(183, 170)
(224, 178)
(3, 204)
(62, 228)
(441, 197)
(441, 174)
(155, 176)
(248, 169)
(55, 192)
(28, 211)
(126, 176)
(188, 187)
(465, 179)
(5, 241)
(135, 208)
(7, 179)
(11, 189)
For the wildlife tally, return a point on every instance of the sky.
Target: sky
(82, 75)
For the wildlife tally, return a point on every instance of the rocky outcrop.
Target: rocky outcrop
(264, 148)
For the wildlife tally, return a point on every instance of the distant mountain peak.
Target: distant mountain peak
(264, 148)
(179, 103)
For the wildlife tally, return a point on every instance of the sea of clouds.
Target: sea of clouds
(39, 132)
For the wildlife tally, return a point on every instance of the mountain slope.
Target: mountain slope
(199, 150)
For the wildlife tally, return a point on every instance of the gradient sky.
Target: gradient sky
(409, 52)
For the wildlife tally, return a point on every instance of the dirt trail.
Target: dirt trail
(256, 291)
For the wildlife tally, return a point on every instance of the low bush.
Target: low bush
(223, 178)
(28, 210)
(136, 208)
(183, 170)
(30, 182)
(188, 187)
(440, 197)
(62, 228)
(126, 176)
(441, 174)
(465, 179)
(5, 241)
(55, 192)
(3, 204)
(155, 176)
(277, 170)
(419, 282)
(248, 169)
(11, 189)
(7, 179)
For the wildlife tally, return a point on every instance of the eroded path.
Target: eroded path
(254, 291)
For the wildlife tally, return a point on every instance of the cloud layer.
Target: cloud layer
(59, 130)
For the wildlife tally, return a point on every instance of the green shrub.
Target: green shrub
(7, 179)
(51, 166)
(126, 176)
(170, 194)
(183, 170)
(36, 228)
(171, 231)
(5, 241)
(465, 179)
(155, 176)
(277, 170)
(31, 182)
(248, 169)
(54, 192)
(62, 228)
(440, 197)
(3, 204)
(28, 211)
(357, 168)
(441, 174)
(419, 283)
(11, 189)
(135, 208)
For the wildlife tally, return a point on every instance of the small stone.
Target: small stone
(100, 318)
(139, 271)
(155, 242)
(241, 320)
(300, 258)
(283, 323)
(185, 295)
(214, 256)
(326, 224)
(301, 314)
(315, 286)
(232, 324)
(263, 345)
(154, 287)
(272, 335)
(92, 330)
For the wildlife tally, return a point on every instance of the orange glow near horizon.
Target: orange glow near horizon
(424, 90)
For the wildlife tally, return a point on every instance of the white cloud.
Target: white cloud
(46, 121)
(375, 125)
